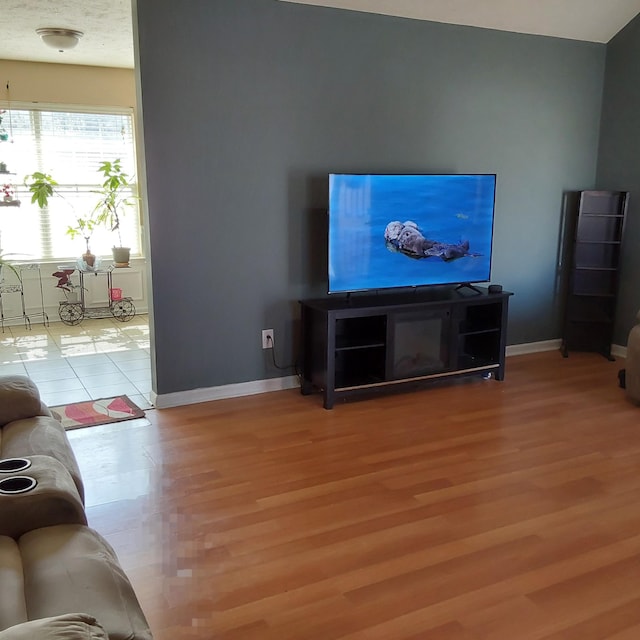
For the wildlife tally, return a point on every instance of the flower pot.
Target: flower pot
(89, 259)
(121, 256)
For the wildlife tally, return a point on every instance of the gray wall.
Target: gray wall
(249, 104)
(619, 160)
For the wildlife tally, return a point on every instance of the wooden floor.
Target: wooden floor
(474, 511)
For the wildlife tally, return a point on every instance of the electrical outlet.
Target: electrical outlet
(267, 338)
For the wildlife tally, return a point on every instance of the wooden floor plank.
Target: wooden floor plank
(472, 510)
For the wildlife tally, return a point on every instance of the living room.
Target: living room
(279, 95)
(546, 115)
(247, 106)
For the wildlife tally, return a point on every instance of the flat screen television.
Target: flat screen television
(389, 231)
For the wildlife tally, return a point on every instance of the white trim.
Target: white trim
(552, 345)
(619, 350)
(193, 396)
(533, 347)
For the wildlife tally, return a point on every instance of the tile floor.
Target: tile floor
(96, 359)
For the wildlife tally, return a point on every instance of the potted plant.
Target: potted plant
(115, 197)
(8, 192)
(67, 285)
(84, 227)
(42, 187)
(4, 134)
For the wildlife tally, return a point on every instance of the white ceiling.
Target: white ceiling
(590, 20)
(108, 34)
(106, 24)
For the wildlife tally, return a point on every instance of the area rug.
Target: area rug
(94, 412)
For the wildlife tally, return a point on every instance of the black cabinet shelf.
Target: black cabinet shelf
(470, 362)
(349, 346)
(595, 226)
(596, 269)
(598, 242)
(352, 346)
(479, 332)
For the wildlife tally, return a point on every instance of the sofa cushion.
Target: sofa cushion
(19, 398)
(13, 608)
(69, 626)
(40, 435)
(72, 568)
(632, 371)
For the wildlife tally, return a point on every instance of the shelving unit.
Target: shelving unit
(350, 345)
(595, 229)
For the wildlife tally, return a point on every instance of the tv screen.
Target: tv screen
(389, 231)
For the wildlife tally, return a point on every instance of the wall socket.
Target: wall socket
(267, 338)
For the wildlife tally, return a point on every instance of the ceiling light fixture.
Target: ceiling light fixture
(60, 39)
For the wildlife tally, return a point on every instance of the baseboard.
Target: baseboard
(533, 347)
(618, 350)
(552, 345)
(193, 396)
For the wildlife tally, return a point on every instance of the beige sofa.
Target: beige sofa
(632, 371)
(58, 577)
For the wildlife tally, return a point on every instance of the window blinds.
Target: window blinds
(70, 146)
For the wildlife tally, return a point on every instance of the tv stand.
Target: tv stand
(468, 285)
(370, 343)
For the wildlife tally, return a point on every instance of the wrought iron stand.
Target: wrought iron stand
(121, 308)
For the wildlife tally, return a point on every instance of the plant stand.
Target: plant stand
(121, 308)
(6, 288)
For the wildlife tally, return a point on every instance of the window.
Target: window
(70, 146)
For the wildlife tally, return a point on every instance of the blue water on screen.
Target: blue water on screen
(446, 208)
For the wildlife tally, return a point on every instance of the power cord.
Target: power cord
(294, 366)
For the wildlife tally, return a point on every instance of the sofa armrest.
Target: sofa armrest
(52, 501)
(19, 399)
(70, 626)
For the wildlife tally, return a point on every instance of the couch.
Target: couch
(28, 428)
(632, 370)
(59, 578)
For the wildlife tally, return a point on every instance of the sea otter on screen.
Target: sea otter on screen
(407, 238)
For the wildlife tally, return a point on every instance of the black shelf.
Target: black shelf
(359, 367)
(479, 332)
(603, 215)
(595, 227)
(382, 341)
(471, 361)
(351, 346)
